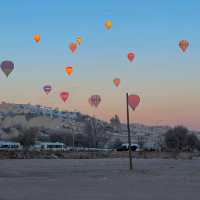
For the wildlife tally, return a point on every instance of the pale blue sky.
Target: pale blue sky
(151, 29)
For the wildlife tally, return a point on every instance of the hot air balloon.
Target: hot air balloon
(47, 89)
(95, 100)
(90, 101)
(116, 81)
(131, 56)
(133, 101)
(64, 96)
(7, 67)
(37, 37)
(79, 40)
(183, 44)
(73, 47)
(108, 24)
(69, 70)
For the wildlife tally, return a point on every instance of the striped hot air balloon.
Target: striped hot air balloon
(95, 100)
(47, 89)
(7, 67)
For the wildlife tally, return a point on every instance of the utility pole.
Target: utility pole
(129, 135)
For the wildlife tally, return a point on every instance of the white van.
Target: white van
(54, 146)
(7, 145)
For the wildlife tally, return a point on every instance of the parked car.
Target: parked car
(125, 147)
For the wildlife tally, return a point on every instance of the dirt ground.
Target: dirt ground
(99, 179)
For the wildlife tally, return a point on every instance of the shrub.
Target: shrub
(179, 139)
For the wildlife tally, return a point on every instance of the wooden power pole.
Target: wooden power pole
(129, 134)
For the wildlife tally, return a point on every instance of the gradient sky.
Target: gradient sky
(166, 79)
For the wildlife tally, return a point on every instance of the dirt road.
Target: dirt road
(99, 179)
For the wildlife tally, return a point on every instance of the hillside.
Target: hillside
(48, 120)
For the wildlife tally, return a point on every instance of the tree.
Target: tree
(88, 131)
(115, 122)
(68, 139)
(179, 139)
(95, 132)
(27, 137)
(175, 139)
(81, 140)
(192, 142)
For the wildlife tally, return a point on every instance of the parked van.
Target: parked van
(7, 145)
(54, 146)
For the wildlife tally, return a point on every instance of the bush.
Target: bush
(179, 139)
(192, 142)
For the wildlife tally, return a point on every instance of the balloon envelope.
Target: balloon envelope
(95, 100)
(108, 24)
(7, 67)
(116, 81)
(90, 101)
(183, 44)
(69, 70)
(37, 37)
(131, 56)
(47, 89)
(73, 47)
(79, 40)
(64, 96)
(133, 101)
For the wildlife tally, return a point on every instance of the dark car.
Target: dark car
(124, 147)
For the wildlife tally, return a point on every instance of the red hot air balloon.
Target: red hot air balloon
(64, 96)
(133, 101)
(47, 89)
(7, 67)
(95, 100)
(116, 81)
(131, 56)
(73, 47)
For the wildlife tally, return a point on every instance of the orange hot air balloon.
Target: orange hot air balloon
(183, 44)
(37, 37)
(79, 40)
(73, 47)
(108, 24)
(69, 70)
(131, 56)
(116, 81)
